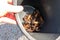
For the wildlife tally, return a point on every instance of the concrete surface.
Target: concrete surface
(44, 36)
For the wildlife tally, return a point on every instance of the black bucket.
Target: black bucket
(49, 9)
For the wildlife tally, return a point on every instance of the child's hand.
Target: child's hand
(5, 7)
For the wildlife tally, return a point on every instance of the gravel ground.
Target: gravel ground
(11, 32)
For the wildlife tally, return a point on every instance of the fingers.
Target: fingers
(12, 8)
(9, 8)
(3, 1)
(7, 20)
(2, 13)
(9, 0)
(58, 38)
(5, 7)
